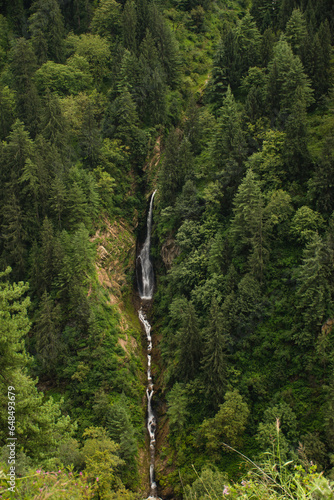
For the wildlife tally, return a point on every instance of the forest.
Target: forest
(226, 109)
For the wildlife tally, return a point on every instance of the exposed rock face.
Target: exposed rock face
(169, 251)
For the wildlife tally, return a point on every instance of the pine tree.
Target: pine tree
(174, 167)
(248, 39)
(107, 20)
(224, 70)
(321, 54)
(296, 32)
(214, 361)
(47, 333)
(265, 12)
(90, 139)
(8, 111)
(167, 47)
(17, 151)
(296, 154)
(130, 26)
(247, 224)
(285, 12)
(23, 65)
(151, 91)
(228, 146)
(14, 236)
(46, 26)
(189, 345)
(287, 81)
(322, 184)
(54, 126)
(314, 301)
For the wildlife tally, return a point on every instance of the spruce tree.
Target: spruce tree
(228, 146)
(130, 26)
(214, 361)
(22, 66)
(314, 301)
(46, 26)
(189, 345)
(47, 334)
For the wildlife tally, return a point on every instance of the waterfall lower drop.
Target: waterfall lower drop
(145, 279)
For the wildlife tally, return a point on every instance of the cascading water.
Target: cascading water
(145, 279)
(144, 265)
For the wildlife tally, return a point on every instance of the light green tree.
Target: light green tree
(228, 425)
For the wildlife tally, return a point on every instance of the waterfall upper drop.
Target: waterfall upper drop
(146, 283)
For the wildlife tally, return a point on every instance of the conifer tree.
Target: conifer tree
(14, 235)
(314, 301)
(17, 151)
(167, 47)
(54, 126)
(287, 81)
(296, 32)
(8, 111)
(130, 26)
(214, 361)
(189, 345)
(320, 61)
(23, 65)
(151, 94)
(228, 146)
(47, 333)
(296, 155)
(247, 224)
(46, 26)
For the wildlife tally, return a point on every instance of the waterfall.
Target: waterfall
(145, 279)
(144, 264)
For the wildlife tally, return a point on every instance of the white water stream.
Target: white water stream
(145, 278)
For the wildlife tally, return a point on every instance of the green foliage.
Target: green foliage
(228, 425)
(95, 50)
(71, 78)
(46, 26)
(101, 459)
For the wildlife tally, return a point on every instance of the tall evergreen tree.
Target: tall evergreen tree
(314, 301)
(214, 361)
(189, 345)
(130, 26)
(46, 26)
(247, 224)
(228, 146)
(47, 333)
(23, 65)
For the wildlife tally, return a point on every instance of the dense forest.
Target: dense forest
(225, 107)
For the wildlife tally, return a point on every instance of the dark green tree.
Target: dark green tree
(320, 61)
(175, 167)
(189, 344)
(314, 300)
(8, 111)
(14, 236)
(151, 90)
(296, 154)
(22, 66)
(228, 146)
(214, 361)
(107, 20)
(167, 47)
(130, 26)
(265, 12)
(47, 333)
(54, 126)
(296, 32)
(46, 26)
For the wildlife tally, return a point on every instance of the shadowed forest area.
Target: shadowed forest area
(225, 107)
